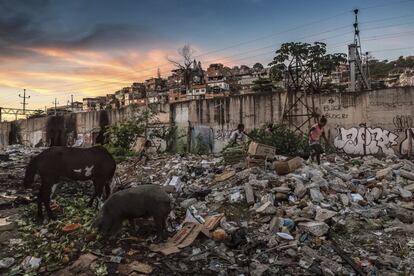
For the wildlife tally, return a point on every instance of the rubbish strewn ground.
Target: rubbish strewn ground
(349, 215)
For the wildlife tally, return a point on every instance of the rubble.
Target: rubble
(347, 216)
(6, 262)
(316, 228)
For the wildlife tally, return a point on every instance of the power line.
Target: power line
(393, 49)
(367, 38)
(272, 52)
(238, 44)
(53, 94)
(95, 87)
(271, 35)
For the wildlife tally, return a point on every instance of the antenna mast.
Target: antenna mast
(358, 67)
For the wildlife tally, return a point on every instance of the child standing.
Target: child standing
(315, 134)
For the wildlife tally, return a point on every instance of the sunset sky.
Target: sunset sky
(95, 47)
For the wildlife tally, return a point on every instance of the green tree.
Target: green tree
(304, 65)
(263, 85)
(285, 140)
(380, 69)
(258, 66)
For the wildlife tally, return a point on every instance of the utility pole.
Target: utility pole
(24, 97)
(71, 103)
(55, 103)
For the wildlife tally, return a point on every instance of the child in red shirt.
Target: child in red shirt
(315, 134)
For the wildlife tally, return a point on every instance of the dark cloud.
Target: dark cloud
(104, 36)
(28, 24)
(20, 25)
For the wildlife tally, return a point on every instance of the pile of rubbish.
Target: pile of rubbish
(348, 216)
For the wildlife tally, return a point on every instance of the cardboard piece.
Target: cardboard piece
(256, 161)
(187, 235)
(261, 150)
(288, 166)
(224, 176)
(184, 237)
(211, 223)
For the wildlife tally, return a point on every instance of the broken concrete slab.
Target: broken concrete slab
(6, 225)
(316, 195)
(344, 199)
(381, 174)
(324, 214)
(249, 193)
(300, 189)
(409, 187)
(407, 174)
(376, 193)
(405, 193)
(316, 228)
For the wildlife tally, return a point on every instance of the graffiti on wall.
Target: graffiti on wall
(405, 144)
(83, 139)
(36, 137)
(363, 140)
(222, 134)
(402, 122)
(332, 109)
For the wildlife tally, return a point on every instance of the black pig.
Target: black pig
(142, 201)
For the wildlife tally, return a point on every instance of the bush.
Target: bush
(121, 137)
(124, 134)
(200, 147)
(286, 141)
(119, 154)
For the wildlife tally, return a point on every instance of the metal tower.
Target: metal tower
(358, 66)
(299, 108)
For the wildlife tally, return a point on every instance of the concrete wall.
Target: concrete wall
(79, 128)
(387, 114)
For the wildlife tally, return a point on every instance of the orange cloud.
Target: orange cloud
(89, 73)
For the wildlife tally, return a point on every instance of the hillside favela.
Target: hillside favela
(233, 137)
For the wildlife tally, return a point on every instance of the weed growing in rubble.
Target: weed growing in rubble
(143, 124)
(121, 137)
(200, 147)
(286, 141)
(49, 242)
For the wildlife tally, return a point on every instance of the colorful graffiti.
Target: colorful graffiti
(360, 141)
